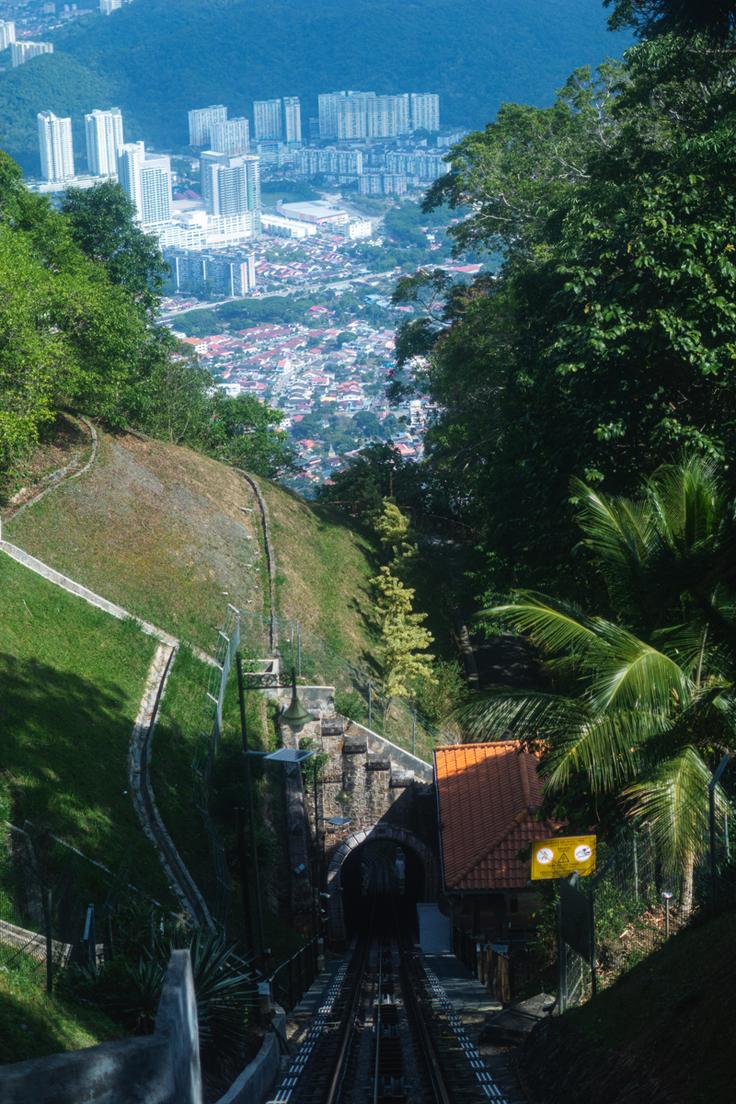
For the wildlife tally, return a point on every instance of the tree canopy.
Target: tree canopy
(605, 342)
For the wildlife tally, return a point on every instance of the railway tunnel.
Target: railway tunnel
(381, 875)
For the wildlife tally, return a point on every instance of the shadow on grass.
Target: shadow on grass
(64, 743)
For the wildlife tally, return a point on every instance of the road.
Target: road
(301, 289)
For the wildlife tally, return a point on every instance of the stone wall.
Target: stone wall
(162, 1068)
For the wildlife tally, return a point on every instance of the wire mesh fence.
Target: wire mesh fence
(58, 906)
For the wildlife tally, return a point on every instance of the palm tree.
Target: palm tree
(640, 705)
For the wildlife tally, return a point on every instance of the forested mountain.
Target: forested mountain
(156, 59)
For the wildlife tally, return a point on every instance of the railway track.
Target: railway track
(386, 1034)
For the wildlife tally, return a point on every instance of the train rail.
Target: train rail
(386, 1034)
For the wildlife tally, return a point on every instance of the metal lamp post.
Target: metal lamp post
(667, 897)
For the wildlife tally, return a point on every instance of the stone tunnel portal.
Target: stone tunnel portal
(381, 875)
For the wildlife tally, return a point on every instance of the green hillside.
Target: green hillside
(161, 530)
(72, 678)
(156, 60)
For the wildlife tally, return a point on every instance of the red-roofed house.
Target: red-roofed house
(488, 799)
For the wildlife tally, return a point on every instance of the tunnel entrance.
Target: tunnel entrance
(353, 884)
(381, 884)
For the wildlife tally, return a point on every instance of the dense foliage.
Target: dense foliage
(641, 707)
(78, 331)
(157, 60)
(606, 343)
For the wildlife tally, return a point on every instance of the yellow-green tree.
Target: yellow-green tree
(404, 639)
(393, 532)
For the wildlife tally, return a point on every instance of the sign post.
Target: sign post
(558, 858)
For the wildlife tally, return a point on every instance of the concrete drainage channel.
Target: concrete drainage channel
(180, 879)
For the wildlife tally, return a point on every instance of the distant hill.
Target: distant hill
(156, 59)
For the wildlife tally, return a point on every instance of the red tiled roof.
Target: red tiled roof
(487, 796)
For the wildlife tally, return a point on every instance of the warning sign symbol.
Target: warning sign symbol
(556, 858)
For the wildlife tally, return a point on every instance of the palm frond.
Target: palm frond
(554, 626)
(526, 715)
(686, 501)
(605, 747)
(674, 802)
(632, 673)
(616, 529)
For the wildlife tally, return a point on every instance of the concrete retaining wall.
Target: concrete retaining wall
(162, 1068)
(379, 745)
(259, 1076)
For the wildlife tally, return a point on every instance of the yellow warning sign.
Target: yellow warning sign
(563, 855)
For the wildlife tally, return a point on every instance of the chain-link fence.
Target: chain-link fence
(58, 906)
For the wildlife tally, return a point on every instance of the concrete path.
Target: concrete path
(153, 826)
(473, 1005)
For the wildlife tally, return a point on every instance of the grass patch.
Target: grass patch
(323, 569)
(71, 679)
(34, 1023)
(156, 528)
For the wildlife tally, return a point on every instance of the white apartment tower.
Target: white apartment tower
(231, 137)
(292, 120)
(55, 147)
(104, 133)
(231, 185)
(201, 120)
(21, 52)
(268, 122)
(107, 7)
(7, 33)
(425, 111)
(146, 180)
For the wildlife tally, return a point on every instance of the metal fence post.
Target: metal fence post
(47, 913)
(413, 730)
(562, 962)
(370, 704)
(635, 843)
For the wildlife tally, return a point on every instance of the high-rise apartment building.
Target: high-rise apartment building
(201, 120)
(55, 146)
(425, 111)
(331, 161)
(213, 274)
(351, 116)
(104, 133)
(7, 33)
(268, 120)
(231, 137)
(107, 7)
(388, 116)
(146, 180)
(327, 105)
(21, 52)
(292, 120)
(231, 185)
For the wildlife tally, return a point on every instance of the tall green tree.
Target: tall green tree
(605, 342)
(103, 224)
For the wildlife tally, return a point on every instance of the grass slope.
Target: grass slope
(158, 529)
(71, 679)
(156, 60)
(323, 567)
(672, 1020)
(33, 1024)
